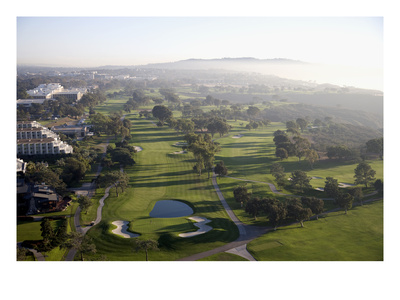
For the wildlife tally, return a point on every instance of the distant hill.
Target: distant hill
(238, 64)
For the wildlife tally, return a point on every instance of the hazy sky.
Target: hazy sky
(94, 41)
(99, 41)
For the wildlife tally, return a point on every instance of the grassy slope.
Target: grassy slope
(159, 175)
(357, 236)
(251, 156)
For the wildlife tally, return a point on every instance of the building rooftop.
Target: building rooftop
(34, 141)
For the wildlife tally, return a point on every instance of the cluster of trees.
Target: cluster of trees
(294, 146)
(375, 146)
(61, 107)
(121, 154)
(364, 174)
(111, 124)
(203, 149)
(257, 124)
(119, 179)
(212, 123)
(279, 211)
(298, 180)
(139, 98)
(65, 172)
(53, 237)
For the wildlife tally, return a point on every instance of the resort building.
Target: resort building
(56, 91)
(34, 139)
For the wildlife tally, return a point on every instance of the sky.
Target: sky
(95, 41)
(349, 48)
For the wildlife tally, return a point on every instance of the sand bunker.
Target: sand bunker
(122, 229)
(179, 152)
(138, 149)
(345, 185)
(180, 144)
(319, 189)
(237, 136)
(315, 177)
(201, 224)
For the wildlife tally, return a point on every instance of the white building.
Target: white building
(45, 91)
(34, 139)
(54, 91)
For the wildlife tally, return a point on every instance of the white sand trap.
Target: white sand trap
(122, 229)
(138, 149)
(237, 136)
(315, 177)
(345, 185)
(319, 189)
(180, 144)
(179, 152)
(201, 224)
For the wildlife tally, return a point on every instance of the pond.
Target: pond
(170, 209)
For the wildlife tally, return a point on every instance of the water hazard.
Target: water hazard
(170, 209)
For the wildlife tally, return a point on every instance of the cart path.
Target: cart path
(247, 233)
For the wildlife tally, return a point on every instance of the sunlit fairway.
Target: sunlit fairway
(357, 236)
(159, 175)
(251, 156)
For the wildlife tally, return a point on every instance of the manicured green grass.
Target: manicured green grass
(28, 231)
(160, 175)
(357, 236)
(223, 257)
(251, 156)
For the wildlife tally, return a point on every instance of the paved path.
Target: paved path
(246, 233)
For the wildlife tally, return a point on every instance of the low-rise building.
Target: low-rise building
(56, 91)
(34, 139)
(79, 131)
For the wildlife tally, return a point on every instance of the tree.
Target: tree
(47, 233)
(378, 184)
(253, 111)
(220, 169)
(204, 150)
(74, 169)
(357, 193)
(146, 245)
(277, 211)
(279, 173)
(84, 203)
(292, 125)
(117, 178)
(331, 187)
(300, 181)
(241, 195)
(297, 211)
(122, 156)
(364, 174)
(311, 156)
(375, 146)
(302, 123)
(281, 153)
(301, 146)
(39, 172)
(254, 206)
(345, 201)
(316, 205)
(162, 113)
(82, 243)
